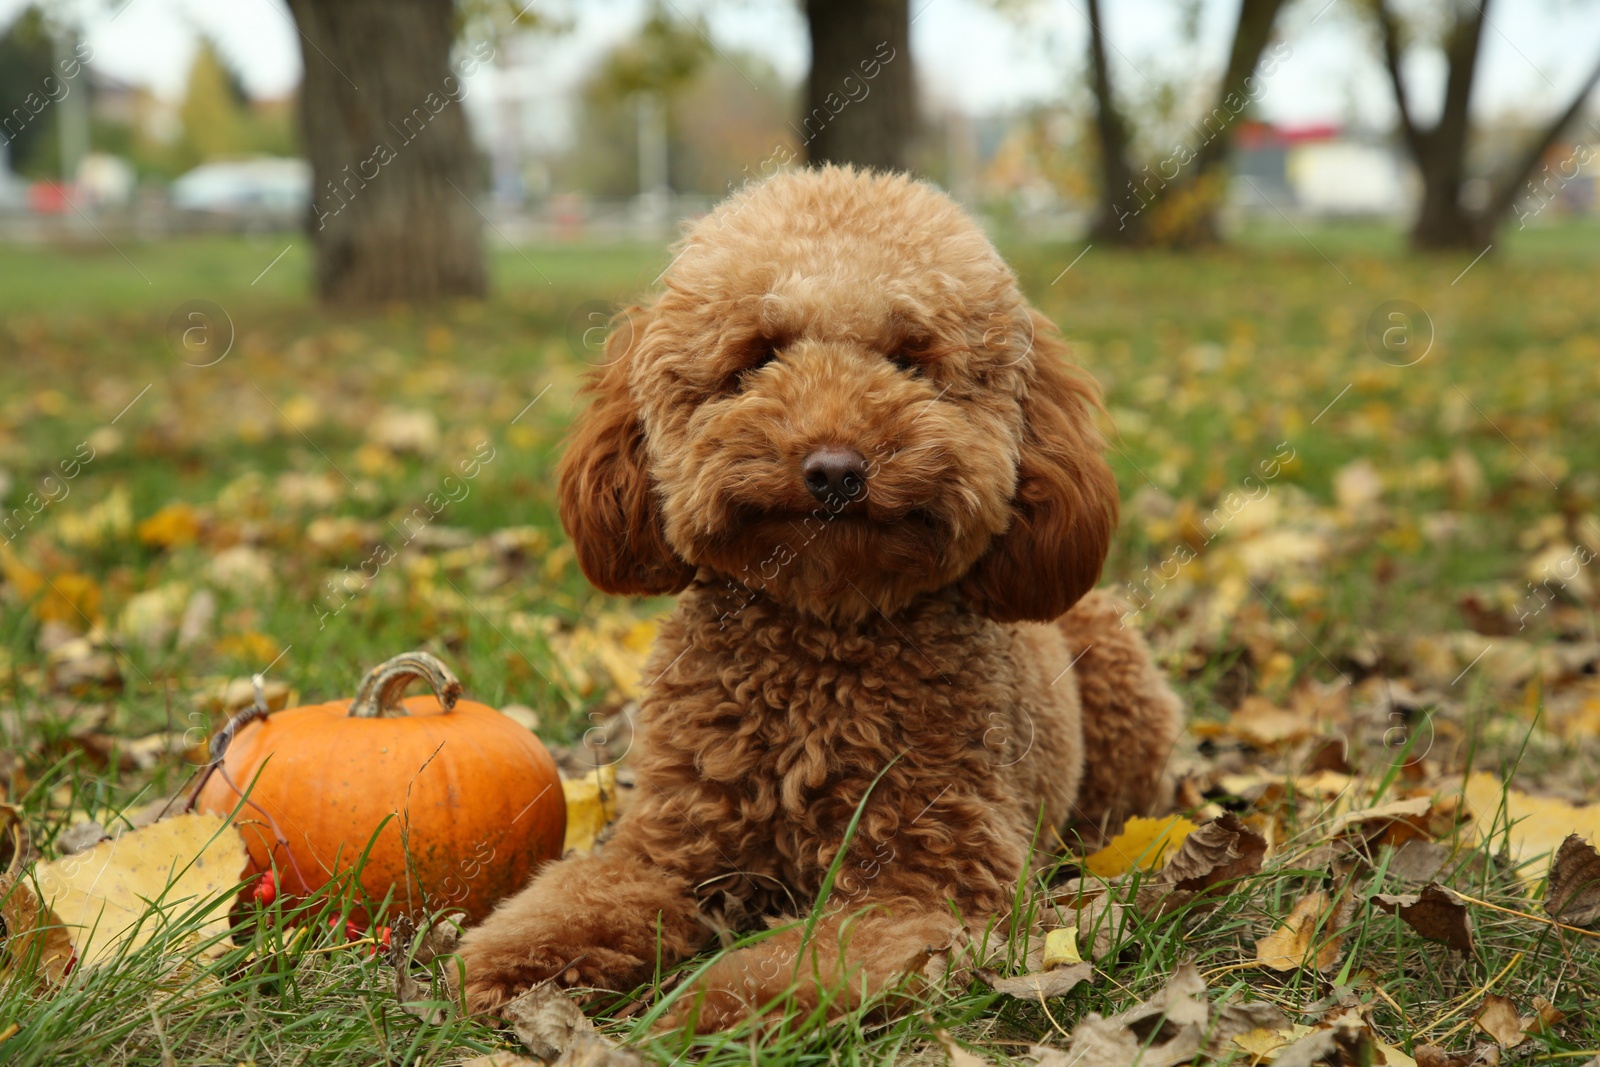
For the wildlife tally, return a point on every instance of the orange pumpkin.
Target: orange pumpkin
(473, 801)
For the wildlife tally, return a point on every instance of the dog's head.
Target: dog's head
(843, 400)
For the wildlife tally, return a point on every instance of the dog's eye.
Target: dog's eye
(905, 361)
(759, 355)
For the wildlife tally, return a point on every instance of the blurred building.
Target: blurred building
(1322, 170)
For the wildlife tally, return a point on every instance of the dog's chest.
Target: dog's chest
(793, 715)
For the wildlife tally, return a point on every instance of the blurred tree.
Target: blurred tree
(30, 84)
(1173, 202)
(716, 123)
(860, 104)
(1445, 220)
(394, 168)
(215, 109)
(628, 106)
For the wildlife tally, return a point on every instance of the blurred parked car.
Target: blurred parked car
(249, 194)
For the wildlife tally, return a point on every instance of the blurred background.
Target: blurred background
(1165, 122)
(296, 300)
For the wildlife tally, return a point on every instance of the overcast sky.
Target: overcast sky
(1536, 51)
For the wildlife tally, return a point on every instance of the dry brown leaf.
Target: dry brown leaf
(593, 1050)
(1303, 938)
(413, 988)
(1260, 723)
(1221, 851)
(1498, 1018)
(1573, 896)
(547, 1021)
(1377, 819)
(34, 940)
(1481, 1056)
(1233, 1021)
(955, 1055)
(1546, 1017)
(101, 896)
(1418, 861)
(1346, 1043)
(1164, 1031)
(1055, 982)
(501, 1059)
(1435, 913)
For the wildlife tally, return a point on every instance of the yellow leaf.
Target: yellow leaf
(1061, 947)
(1393, 1057)
(109, 520)
(1303, 938)
(174, 525)
(591, 805)
(1263, 1044)
(106, 898)
(1143, 843)
(252, 646)
(1264, 725)
(70, 598)
(1538, 824)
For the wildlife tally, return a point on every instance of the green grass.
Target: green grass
(1209, 362)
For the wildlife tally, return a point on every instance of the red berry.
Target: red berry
(352, 931)
(267, 888)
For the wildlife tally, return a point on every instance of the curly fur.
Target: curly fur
(921, 636)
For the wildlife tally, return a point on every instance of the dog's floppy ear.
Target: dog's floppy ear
(608, 501)
(1065, 505)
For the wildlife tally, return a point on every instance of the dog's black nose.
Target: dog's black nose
(835, 473)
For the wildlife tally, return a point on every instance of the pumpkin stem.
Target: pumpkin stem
(386, 683)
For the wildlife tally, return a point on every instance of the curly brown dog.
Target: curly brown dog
(845, 437)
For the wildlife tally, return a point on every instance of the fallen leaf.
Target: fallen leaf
(1222, 850)
(1143, 843)
(1498, 1018)
(34, 941)
(1418, 861)
(174, 525)
(1061, 947)
(1055, 982)
(1381, 817)
(185, 862)
(1261, 724)
(1346, 1043)
(414, 989)
(1481, 1056)
(1233, 1021)
(79, 837)
(1573, 896)
(546, 1020)
(501, 1059)
(1538, 825)
(1435, 913)
(591, 805)
(1392, 1056)
(955, 1055)
(1546, 1017)
(1164, 1031)
(1291, 945)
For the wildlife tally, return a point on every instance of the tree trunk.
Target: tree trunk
(1115, 222)
(1174, 202)
(860, 98)
(392, 163)
(1520, 172)
(1440, 152)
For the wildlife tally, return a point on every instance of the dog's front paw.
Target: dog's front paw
(495, 977)
(751, 983)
